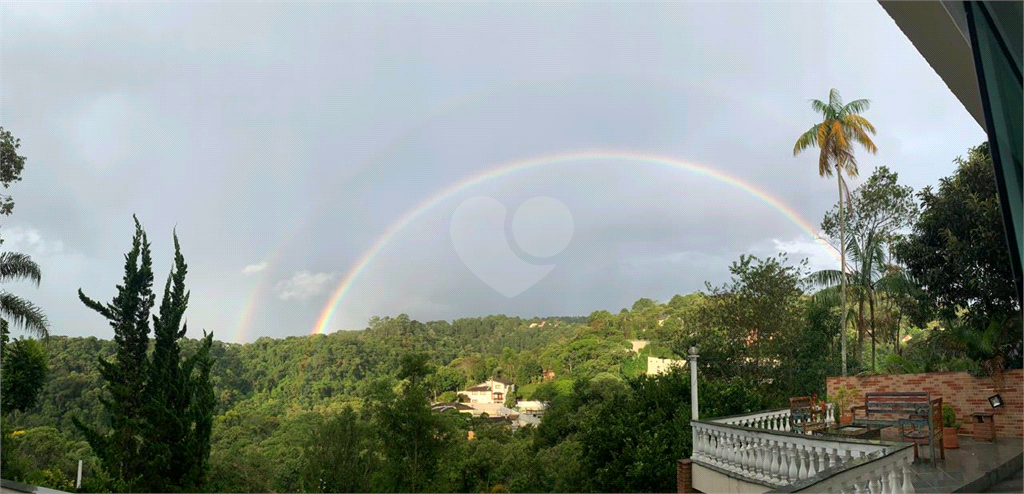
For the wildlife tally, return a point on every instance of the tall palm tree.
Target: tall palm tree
(17, 266)
(840, 127)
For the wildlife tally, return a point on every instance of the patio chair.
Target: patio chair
(802, 416)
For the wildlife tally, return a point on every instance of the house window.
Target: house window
(499, 396)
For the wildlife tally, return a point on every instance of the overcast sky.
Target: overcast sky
(284, 140)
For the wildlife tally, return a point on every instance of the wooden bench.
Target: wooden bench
(917, 414)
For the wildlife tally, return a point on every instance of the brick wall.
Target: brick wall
(965, 393)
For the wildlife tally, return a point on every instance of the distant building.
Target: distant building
(549, 375)
(638, 345)
(657, 366)
(534, 408)
(492, 391)
(444, 407)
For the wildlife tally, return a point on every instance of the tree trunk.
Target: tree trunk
(842, 261)
(899, 323)
(858, 352)
(871, 308)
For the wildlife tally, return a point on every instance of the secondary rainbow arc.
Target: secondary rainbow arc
(412, 214)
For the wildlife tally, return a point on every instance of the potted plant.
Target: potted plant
(843, 399)
(950, 428)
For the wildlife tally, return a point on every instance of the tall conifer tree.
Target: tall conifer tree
(160, 406)
(121, 450)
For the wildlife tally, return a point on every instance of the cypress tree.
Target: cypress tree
(160, 406)
(179, 396)
(120, 450)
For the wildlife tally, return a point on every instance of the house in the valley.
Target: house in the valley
(490, 392)
(533, 408)
(657, 366)
(459, 407)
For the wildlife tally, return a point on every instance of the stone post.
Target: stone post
(694, 409)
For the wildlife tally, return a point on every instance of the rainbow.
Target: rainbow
(411, 215)
(259, 287)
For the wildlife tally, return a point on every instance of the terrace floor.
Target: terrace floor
(973, 467)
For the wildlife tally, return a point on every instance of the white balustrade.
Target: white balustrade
(879, 472)
(776, 420)
(764, 456)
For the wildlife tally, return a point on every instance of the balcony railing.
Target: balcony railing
(760, 448)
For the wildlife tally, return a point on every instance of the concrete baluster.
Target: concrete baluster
(873, 483)
(845, 487)
(908, 483)
(794, 463)
(858, 486)
(755, 458)
(720, 448)
(711, 447)
(698, 443)
(812, 461)
(766, 459)
(741, 455)
(763, 459)
(784, 461)
(801, 458)
(886, 488)
(729, 457)
(774, 462)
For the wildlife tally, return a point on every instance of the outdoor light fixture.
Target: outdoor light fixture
(996, 401)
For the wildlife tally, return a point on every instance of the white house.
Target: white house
(656, 366)
(490, 392)
(534, 408)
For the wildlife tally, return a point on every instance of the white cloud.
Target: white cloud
(818, 256)
(303, 285)
(254, 268)
(28, 241)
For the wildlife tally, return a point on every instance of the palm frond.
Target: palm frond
(826, 145)
(857, 106)
(827, 296)
(860, 137)
(809, 139)
(846, 162)
(23, 313)
(826, 277)
(858, 122)
(834, 99)
(858, 128)
(16, 266)
(819, 106)
(839, 134)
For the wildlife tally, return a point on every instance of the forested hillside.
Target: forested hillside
(275, 397)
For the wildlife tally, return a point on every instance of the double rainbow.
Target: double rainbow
(411, 215)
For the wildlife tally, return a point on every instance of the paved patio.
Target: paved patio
(973, 467)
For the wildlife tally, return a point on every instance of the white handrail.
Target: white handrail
(777, 458)
(881, 473)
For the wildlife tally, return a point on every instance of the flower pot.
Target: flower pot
(950, 440)
(846, 418)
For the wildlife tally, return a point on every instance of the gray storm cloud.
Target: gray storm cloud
(283, 140)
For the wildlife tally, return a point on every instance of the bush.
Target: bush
(949, 417)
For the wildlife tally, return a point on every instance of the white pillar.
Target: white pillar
(694, 409)
(78, 483)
